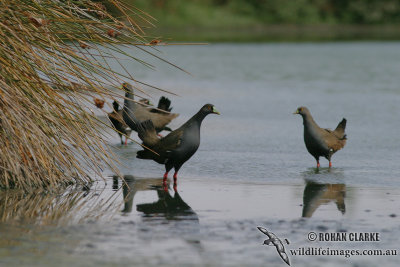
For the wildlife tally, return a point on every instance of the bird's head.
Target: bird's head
(209, 109)
(145, 101)
(302, 111)
(126, 86)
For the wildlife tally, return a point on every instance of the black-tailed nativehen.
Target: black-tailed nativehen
(321, 142)
(178, 146)
(134, 113)
(118, 122)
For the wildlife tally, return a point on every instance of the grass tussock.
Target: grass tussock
(53, 57)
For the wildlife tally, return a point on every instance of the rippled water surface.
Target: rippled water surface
(252, 168)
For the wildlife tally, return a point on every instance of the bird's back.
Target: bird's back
(160, 120)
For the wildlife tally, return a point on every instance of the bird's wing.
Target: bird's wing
(162, 119)
(113, 116)
(147, 133)
(284, 256)
(280, 248)
(265, 231)
(159, 119)
(332, 140)
(171, 141)
(117, 121)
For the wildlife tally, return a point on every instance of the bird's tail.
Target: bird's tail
(164, 104)
(339, 131)
(147, 154)
(144, 154)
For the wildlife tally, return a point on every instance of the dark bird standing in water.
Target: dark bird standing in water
(118, 122)
(178, 146)
(319, 141)
(134, 113)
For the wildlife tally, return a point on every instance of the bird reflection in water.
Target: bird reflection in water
(316, 194)
(170, 206)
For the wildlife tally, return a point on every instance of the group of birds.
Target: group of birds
(174, 149)
(179, 145)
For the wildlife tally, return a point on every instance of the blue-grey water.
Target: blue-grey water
(252, 168)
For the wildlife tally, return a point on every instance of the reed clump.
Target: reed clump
(53, 56)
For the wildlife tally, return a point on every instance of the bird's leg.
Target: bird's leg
(165, 177)
(318, 164)
(126, 140)
(329, 157)
(164, 182)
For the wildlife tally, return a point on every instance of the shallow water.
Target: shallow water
(252, 168)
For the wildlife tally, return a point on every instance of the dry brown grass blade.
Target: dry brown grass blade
(53, 58)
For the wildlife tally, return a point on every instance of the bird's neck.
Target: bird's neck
(308, 121)
(128, 103)
(198, 118)
(129, 94)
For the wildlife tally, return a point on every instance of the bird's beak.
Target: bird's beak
(296, 112)
(215, 111)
